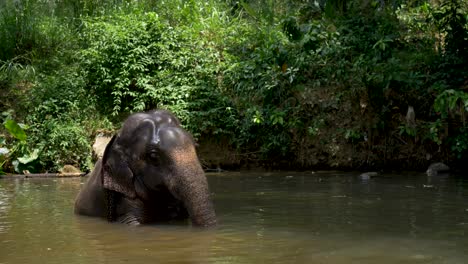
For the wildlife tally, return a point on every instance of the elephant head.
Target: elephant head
(152, 162)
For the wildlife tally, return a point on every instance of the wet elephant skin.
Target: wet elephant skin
(149, 173)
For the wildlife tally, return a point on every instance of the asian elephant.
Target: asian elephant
(149, 173)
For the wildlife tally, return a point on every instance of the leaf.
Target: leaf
(453, 102)
(29, 158)
(248, 9)
(15, 164)
(15, 130)
(4, 151)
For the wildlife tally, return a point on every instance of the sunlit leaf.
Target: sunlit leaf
(15, 130)
(15, 164)
(4, 151)
(29, 157)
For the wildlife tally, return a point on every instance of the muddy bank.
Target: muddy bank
(325, 152)
(216, 155)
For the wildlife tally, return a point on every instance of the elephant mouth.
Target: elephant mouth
(167, 208)
(159, 204)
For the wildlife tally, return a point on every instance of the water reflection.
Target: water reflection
(5, 204)
(264, 218)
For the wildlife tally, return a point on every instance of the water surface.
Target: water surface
(263, 218)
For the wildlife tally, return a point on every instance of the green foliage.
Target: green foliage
(29, 30)
(353, 135)
(459, 143)
(279, 79)
(17, 29)
(4, 152)
(63, 142)
(408, 130)
(19, 153)
(13, 70)
(318, 124)
(15, 80)
(137, 62)
(451, 19)
(435, 130)
(64, 119)
(452, 106)
(15, 130)
(259, 76)
(451, 101)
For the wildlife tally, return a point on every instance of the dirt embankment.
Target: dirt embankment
(342, 131)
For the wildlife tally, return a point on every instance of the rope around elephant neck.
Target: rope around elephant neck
(110, 204)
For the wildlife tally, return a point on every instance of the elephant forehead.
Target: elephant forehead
(142, 124)
(136, 130)
(162, 116)
(146, 133)
(158, 117)
(173, 137)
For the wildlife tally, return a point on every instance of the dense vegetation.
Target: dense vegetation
(291, 84)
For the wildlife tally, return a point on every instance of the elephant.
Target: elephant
(149, 173)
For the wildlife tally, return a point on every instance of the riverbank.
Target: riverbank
(218, 157)
(278, 85)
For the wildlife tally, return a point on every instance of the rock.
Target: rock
(100, 145)
(437, 168)
(69, 169)
(411, 117)
(368, 175)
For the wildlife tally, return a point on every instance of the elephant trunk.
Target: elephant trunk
(190, 186)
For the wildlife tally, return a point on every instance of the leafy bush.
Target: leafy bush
(271, 75)
(282, 80)
(64, 119)
(19, 153)
(63, 142)
(136, 62)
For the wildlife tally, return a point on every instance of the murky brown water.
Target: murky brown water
(264, 218)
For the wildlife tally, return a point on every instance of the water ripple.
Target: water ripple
(266, 218)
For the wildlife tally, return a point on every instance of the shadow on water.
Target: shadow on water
(286, 217)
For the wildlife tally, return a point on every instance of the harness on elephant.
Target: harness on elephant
(110, 197)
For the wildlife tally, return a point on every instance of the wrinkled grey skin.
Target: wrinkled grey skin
(149, 173)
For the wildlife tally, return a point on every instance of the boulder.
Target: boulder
(100, 144)
(437, 168)
(69, 169)
(368, 175)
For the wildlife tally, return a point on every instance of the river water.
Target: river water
(297, 217)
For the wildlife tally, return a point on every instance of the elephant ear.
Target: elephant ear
(116, 174)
